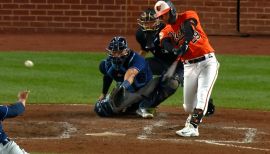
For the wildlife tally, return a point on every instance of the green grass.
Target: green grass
(243, 81)
(55, 78)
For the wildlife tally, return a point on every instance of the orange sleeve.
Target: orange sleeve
(166, 32)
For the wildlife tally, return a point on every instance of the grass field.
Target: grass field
(73, 77)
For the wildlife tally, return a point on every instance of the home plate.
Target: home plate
(106, 134)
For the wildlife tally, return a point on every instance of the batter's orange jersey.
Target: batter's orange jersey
(198, 46)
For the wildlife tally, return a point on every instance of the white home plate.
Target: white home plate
(106, 134)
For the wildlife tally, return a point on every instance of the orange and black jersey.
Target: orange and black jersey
(188, 31)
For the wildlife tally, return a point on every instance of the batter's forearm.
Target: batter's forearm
(167, 44)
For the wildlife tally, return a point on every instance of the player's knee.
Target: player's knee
(170, 86)
(174, 84)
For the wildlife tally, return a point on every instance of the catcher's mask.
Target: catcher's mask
(118, 51)
(149, 25)
(148, 21)
(103, 108)
(163, 7)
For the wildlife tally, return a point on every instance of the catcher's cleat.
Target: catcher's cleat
(211, 108)
(188, 131)
(145, 113)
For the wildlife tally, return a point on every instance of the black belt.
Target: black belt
(5, 141)
(196, 60)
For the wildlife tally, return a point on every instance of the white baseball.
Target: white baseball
(28, 63)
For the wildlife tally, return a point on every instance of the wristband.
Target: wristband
(126, 84)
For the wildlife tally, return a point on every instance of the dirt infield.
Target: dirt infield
(76, 129)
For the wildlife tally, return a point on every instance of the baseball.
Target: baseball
(28, 63)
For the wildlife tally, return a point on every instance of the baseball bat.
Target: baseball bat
(170, 72)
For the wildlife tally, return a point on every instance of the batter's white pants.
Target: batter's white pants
(199, 79)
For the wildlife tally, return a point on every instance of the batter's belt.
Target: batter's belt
(199, 59)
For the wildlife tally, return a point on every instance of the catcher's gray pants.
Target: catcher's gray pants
(11, 148)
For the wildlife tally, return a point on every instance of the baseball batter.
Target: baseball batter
(147, 35)
(6, 145)
(184, 36)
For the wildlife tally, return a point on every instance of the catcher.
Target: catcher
(147, 35)
(8, 146)
(132, 75)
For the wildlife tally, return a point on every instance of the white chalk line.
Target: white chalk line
(231, 145)
(249, 137)
(105, 134)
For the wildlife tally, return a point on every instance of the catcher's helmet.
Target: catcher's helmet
(103, 108)
(118, 51)
(148, 21)
(164, 6)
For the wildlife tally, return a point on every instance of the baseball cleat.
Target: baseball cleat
(145, 113)
(188, 131)
(211, 108)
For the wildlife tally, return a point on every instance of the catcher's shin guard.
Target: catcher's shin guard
(165, 90)
(121, 98)
(196, 117)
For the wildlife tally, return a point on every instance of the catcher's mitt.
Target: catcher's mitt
(120, 99)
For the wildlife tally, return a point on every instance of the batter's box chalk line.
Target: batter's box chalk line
(68, 130)
(250, 134)
(105, 134)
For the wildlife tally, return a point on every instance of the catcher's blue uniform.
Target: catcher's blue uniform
(133, 61)
(112, 72)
